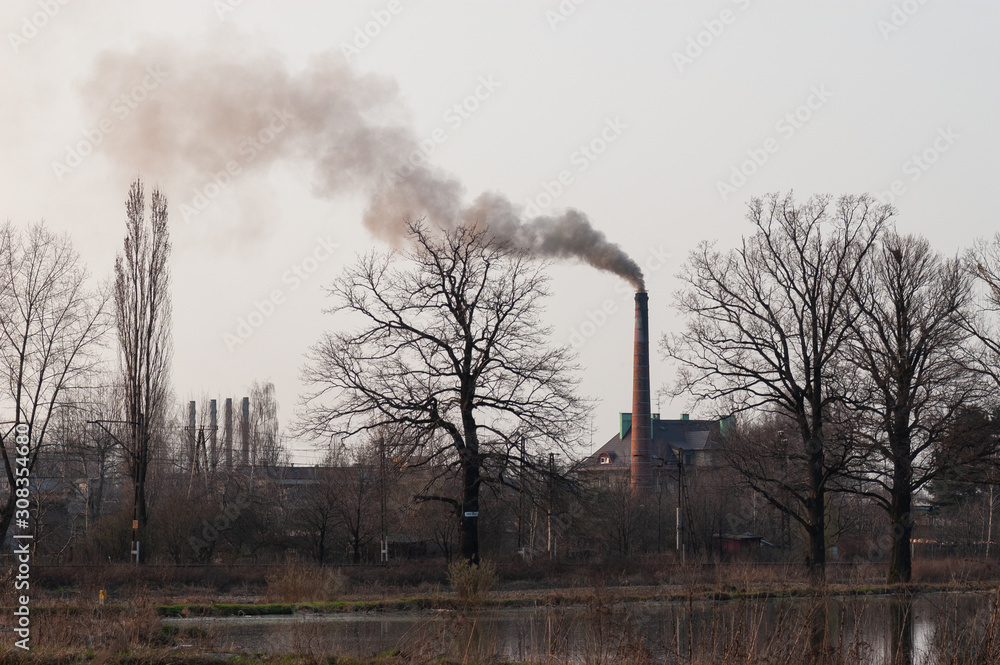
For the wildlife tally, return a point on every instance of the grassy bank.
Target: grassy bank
(69, 627)
(562, 598)
(173, 657)
(567, 597)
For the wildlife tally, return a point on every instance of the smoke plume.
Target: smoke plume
(234, 108)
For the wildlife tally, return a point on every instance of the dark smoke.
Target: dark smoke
(350, 127)
(567, 236)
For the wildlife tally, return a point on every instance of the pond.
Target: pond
(926, 629)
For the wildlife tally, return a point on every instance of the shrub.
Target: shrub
(301, 583)
(472, 583)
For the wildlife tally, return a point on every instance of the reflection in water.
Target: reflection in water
(901, 630)
(921, 630)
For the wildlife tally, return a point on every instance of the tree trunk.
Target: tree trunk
(900, 523)
(7, 515)
(816, 506)
(469, 519)
(143, 467)
(817, 541)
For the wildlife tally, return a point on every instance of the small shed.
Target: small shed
(740, 544)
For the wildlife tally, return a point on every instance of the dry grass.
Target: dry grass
(99, 635)
(609, 631)
(299, 583)
(954, 570)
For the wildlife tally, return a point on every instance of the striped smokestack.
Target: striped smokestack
(227, 433)
(641, 469)
(245, 431)
(213, 426)
(192, 439)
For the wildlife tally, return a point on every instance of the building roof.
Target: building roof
(668, 435)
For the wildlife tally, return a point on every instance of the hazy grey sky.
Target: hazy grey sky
(657, 119)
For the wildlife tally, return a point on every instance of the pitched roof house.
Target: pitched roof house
(696, 441)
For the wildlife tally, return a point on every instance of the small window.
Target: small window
(605, 458)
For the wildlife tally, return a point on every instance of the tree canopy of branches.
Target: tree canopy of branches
(142, 315)
(983, 261)
(965, 457)
(766, 323)
(51, 324)
(908, 341)
(450, 350)
(266, 447)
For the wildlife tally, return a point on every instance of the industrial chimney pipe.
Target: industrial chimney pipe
(642, 443)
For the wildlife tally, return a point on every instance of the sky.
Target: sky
(657, 120)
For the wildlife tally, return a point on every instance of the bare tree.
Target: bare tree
(452, 351)
(356, 502)
(51, 323)
(908, 341)
(983, 261)
(90, 458)
(767, 323)
(314, 513)
(142, 309)
(266, 448)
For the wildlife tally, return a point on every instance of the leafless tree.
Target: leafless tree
(143, 310)
(452, 351)
(266, 448)
(624, 515)
(762, 448)
(89, 458)
(51, 323)
(356, 506)
(983, 262)
(314, 513)
(909, 341)
(767, 322)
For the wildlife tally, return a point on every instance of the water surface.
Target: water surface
(927, 629)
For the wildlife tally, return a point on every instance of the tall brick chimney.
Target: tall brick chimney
(227, 433)
(642, 444)
(245, 431)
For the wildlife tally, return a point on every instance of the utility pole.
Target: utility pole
(137, 431)
(786, 525)
(384, 555)
(552, 465)
(520, 504)
(680, 497)
(989, 525)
